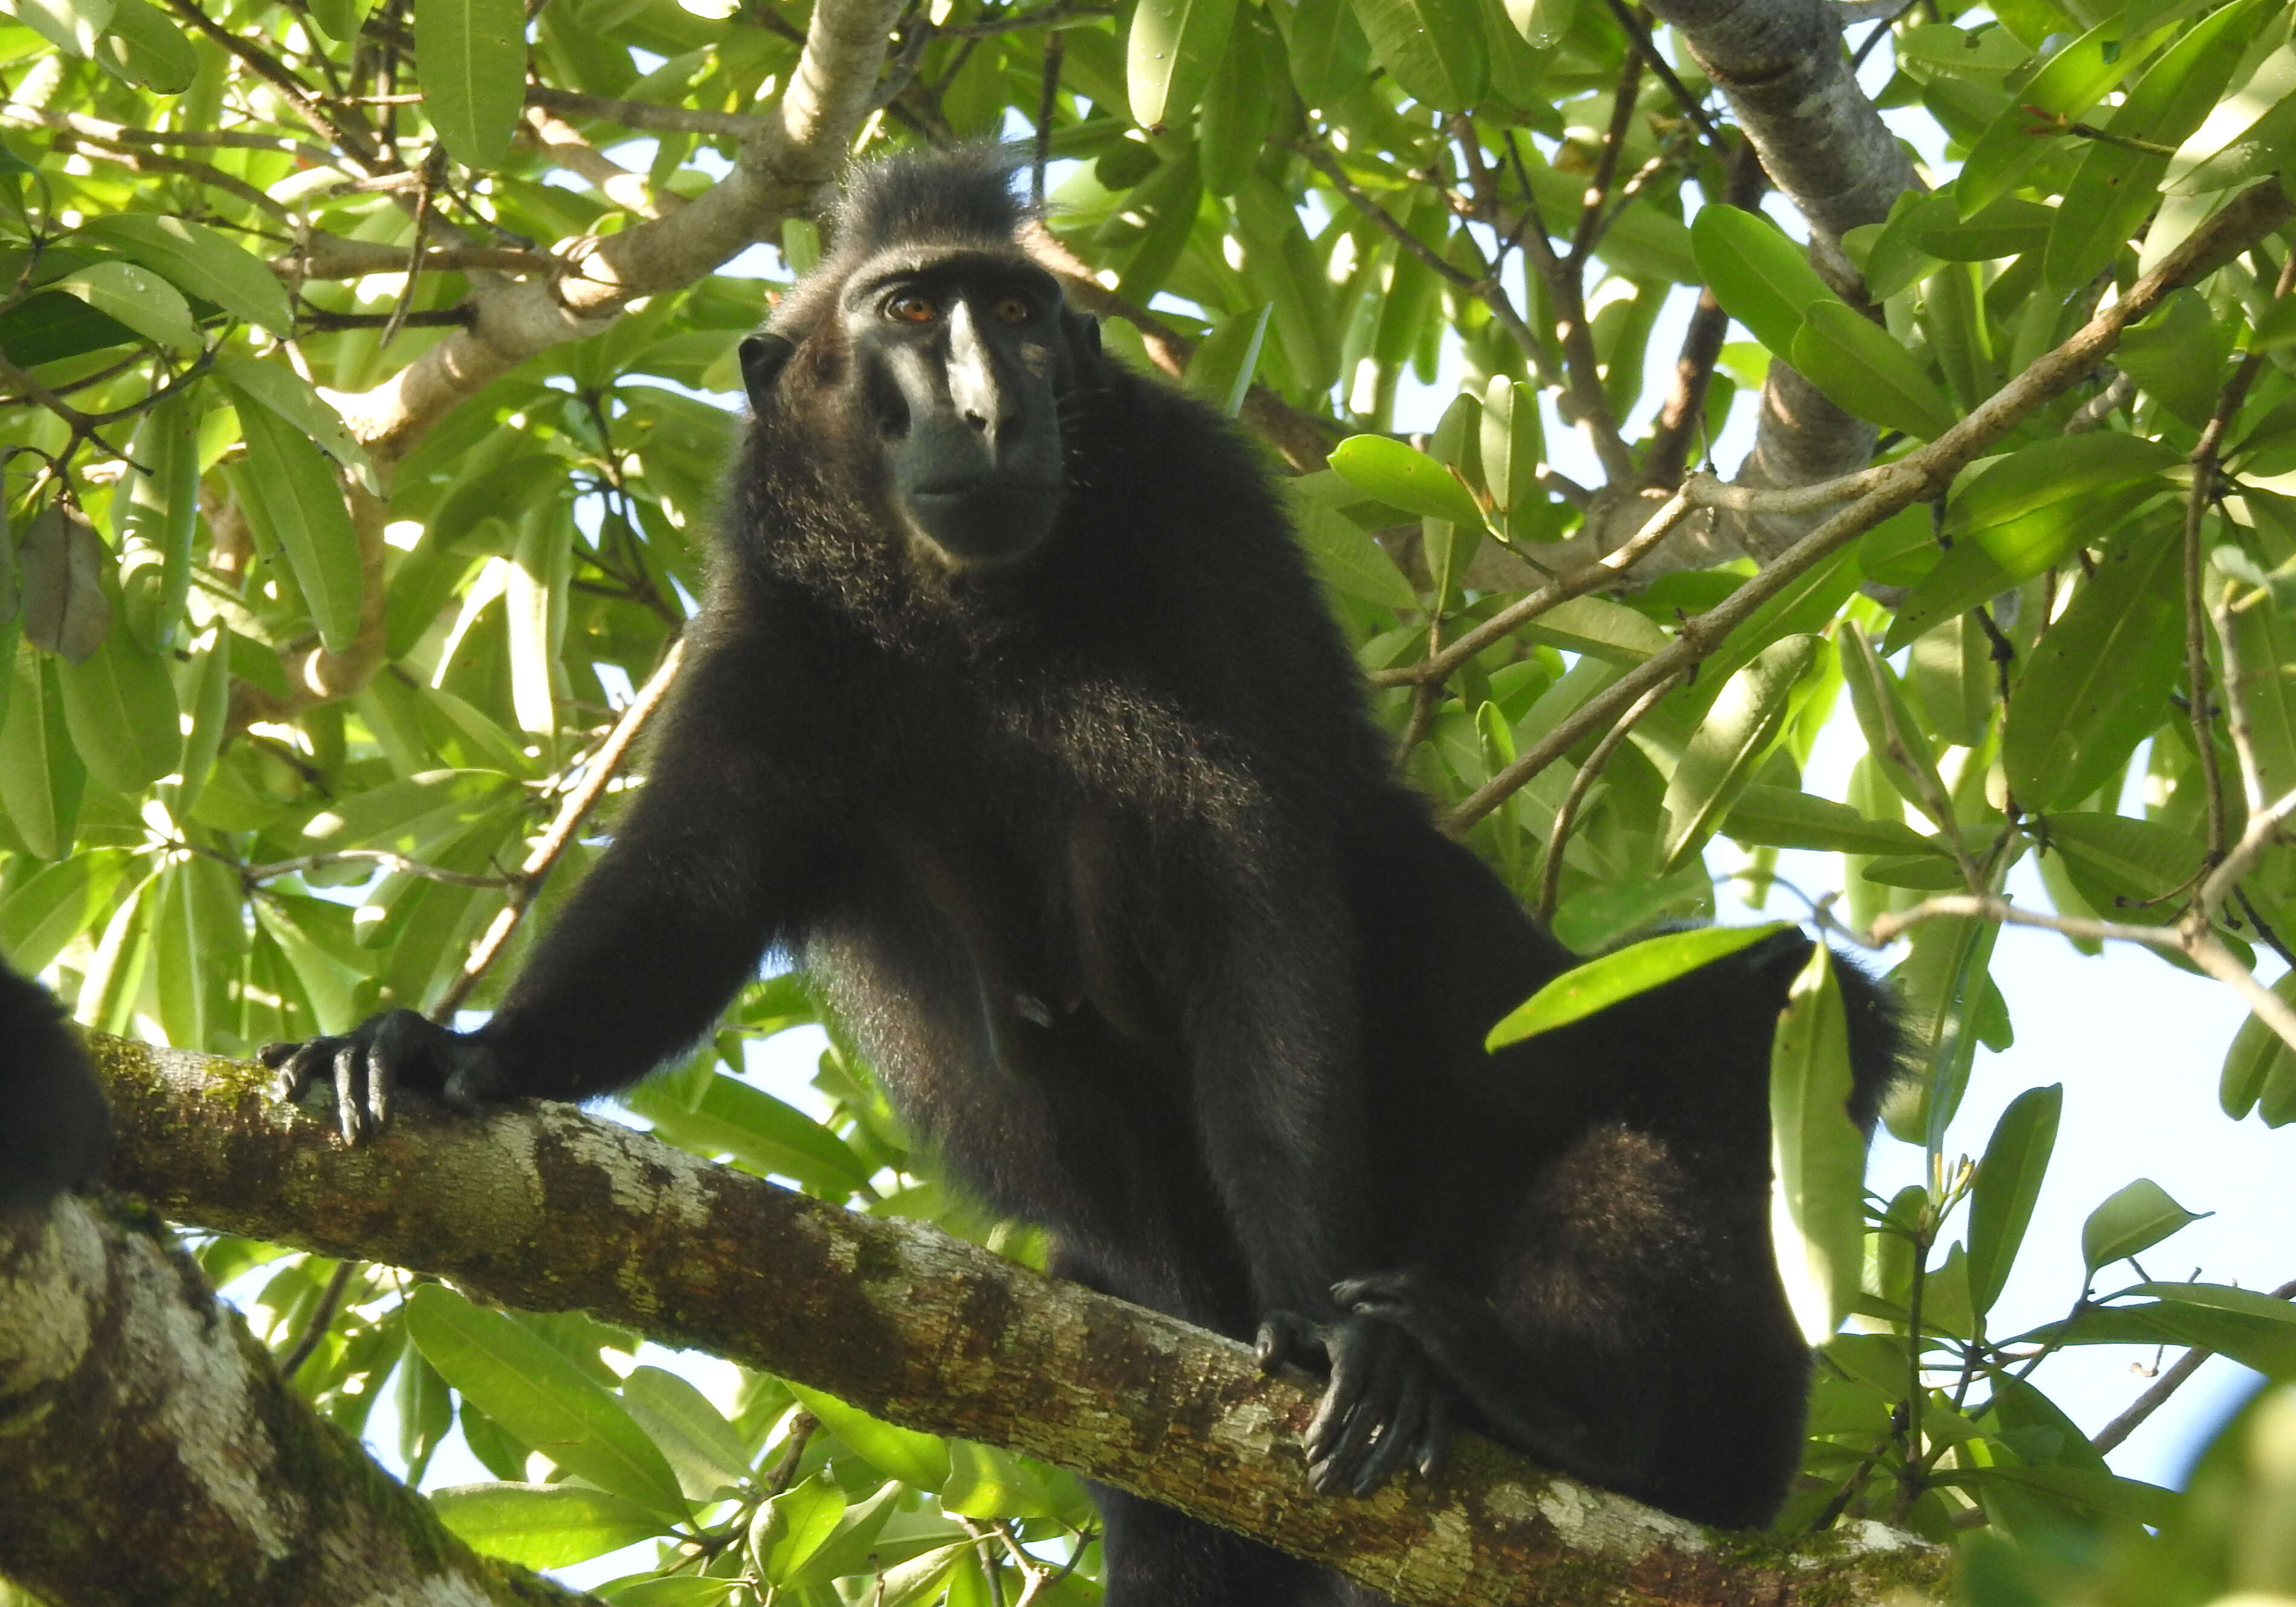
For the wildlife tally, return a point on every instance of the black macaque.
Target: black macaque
(1015, 715)
(55, 1130)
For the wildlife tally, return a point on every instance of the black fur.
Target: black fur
(1098, 853)
(55, 1130)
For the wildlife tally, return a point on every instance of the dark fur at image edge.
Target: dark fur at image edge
(55, 1128)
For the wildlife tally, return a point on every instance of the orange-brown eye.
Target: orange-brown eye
(912, 309)
(1014, 309)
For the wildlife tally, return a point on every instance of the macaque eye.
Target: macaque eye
(1015, 310)
(912, 309)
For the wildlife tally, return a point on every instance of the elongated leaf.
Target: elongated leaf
(2253, 1329)
(1403, 478)
(539, 1395)
(2126, 868)
(1781, 818)
(1762, 278)
(119, 705)
(296, 507)
(1598, 625)
(1434, 48)
(294, 399)
(41, 774)
(543, 1525)
(1350, 560)
(2008, 1182)
(2099, 682)
(2057, 469)
(918, 1460)
(156, 509)
(2068, 85)
(146, 46)
(1818, 1155)
(1170, 53)
(704, 1449)
(1638, 968)
(72, 25)
(1511, 442)
(728, 1116)
(66, 607)
(2256, 1059)
(793, 1526)
(2134, 1220)
(1737, 733)
(1895, 738)
(1221, 370)
(200, 261)
(470, 56)
(51, 907)
(2117, 184)
(137, 297)
(1862, 367)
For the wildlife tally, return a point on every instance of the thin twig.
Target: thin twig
(645, 115)
(1648, 49)
(2110, 1436)
(1603, 571)
(253, 874)
(323, 1318)
(1550, 868)
(553, 843)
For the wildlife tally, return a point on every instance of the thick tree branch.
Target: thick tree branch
(544, 1207)
(149, 1452)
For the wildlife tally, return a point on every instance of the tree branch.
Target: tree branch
(151, 1453)
(917, 1327)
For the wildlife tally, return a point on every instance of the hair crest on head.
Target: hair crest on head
(964, 194)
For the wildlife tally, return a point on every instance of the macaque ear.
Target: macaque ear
(763, 358)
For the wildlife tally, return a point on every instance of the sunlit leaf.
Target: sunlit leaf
(2135, 1218)
(1638, 968)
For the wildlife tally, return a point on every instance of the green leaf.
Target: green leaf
(2134, 1220)
(1738, 732)
(1600, 983)
(2117, 184)
(137, 297)
(1434, 48)
(543, 1525)
(1818, 1155)
(2060, 468)
(851, 1546)
(1763, 279)
(67, 608)
(1863, 369)
(295, 506)
(2257, 1062)
(2252, 1329)
(2099, 682)
(2068, 85)
(538, 1394)
(145, 47)
(53, 905)
(41, 774)
(794, 1525)
(119, 705)
(1348, 558)
(725, 1115)
(471, 58)
(2126, 868)
(2178, 356)
(1781, 818)
(1598, 625)
(1221, 370)
(295, 399)
(1402, 477)
(1894, 737)
(2008, 1182)
(200, 261)
(1945, 986)
(704, 1449)
(72, 25)
(155, 511)
(918, 1460)
(1511, 442)
(1541, 22)
(1170, 53)
(1984, 563)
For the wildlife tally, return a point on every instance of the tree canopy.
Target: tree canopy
(367, 370)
